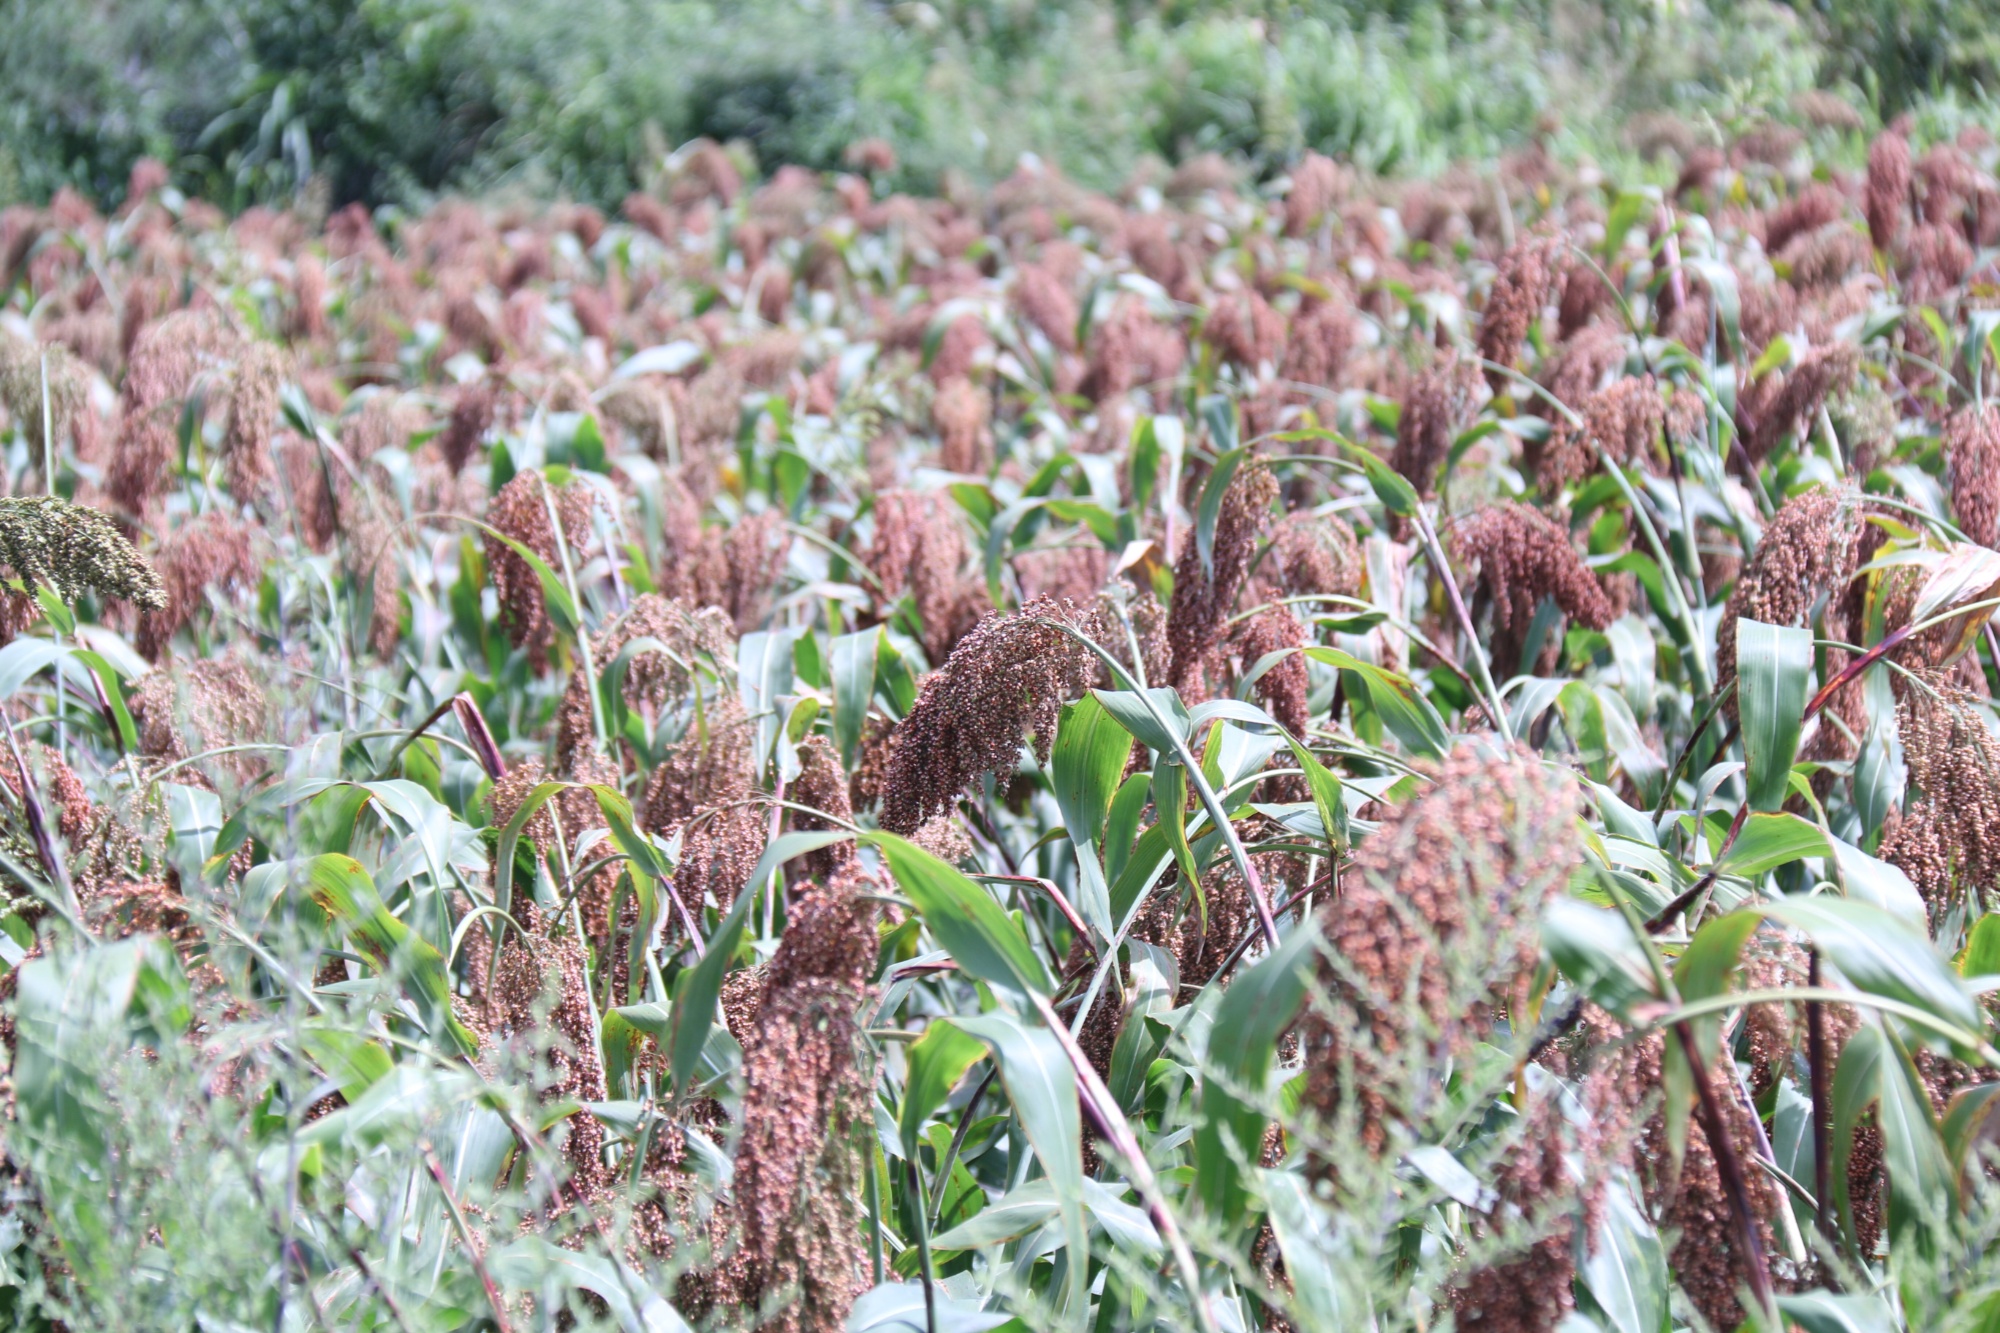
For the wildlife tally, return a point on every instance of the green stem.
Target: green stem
(1210, 802)
(1443, 567)
(1118, 1132)
(924, 1247)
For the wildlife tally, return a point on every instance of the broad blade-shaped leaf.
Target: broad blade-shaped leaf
(696, 992)
(1210, 507)
(1774, 667)
(964, 918)
(343, 889)
(1013, 1215)
(1967, 576)
(1768, 841)
(937, 1060)
(1827, 1312)
(1595, 948)
(1881, 954)
(1156, 719)
(1401, 706)
(1710, 960)
(853, 687)
(898, 1307)
(1874, 1071)
(1085, 765)
(1254, 1012)
(1623, 1267)
(535, 1265)
(1303, 1227)
(1041, 1084)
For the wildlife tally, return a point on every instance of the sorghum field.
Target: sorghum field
(1328, 753)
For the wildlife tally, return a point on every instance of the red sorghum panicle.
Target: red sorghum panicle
(797, 1185)
(542, 986)
(510, 792)
(1072, 572)
(214, 551)
(1934, 260)
(1283, 686)
(1972, 461)
(1522, 556)
(1806, 547)
(520, 511)
(1783, 402)
(165, 361)
(1771, 962)
(703, 784)
(641, 407)
(1627, 418)
(1322, 335)
(191, 708)
(1521, 287)
(1580, 367)
(1949, 179)
(1048, 305)
(1202, 935)
(1887, 199)
(1006, 680)
(1811, 209)
(1144, 651)
(1317, 183)
(920, 548)
(1439, 914)
(1244, 330)
(960, 412)
(821, 786)
(1825, 258)
(253, 417)
(1317, 555)
(694, 643)
(1128, 350)
(76, 816)
(944, 837)
(754, 553)
(1947, 840)
(1203, 598)
(471, 418)
(871, 764)
(1528, 1290)
(1203, 938)
(1439, 406)
(958, 351)
(1707, 1260)
(1583, 293)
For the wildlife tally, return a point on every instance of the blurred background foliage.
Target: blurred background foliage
(395, 101)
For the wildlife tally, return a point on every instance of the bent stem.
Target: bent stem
(1443, 567)
(1821, 1078)
(1730, 1167)
(1401, 625)
(924, 1248)
(472, 1251)
(1102, 1110)
(597, 722)
(1209, 801)
(388, 765)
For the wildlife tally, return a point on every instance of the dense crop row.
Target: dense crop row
(1331, 755)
